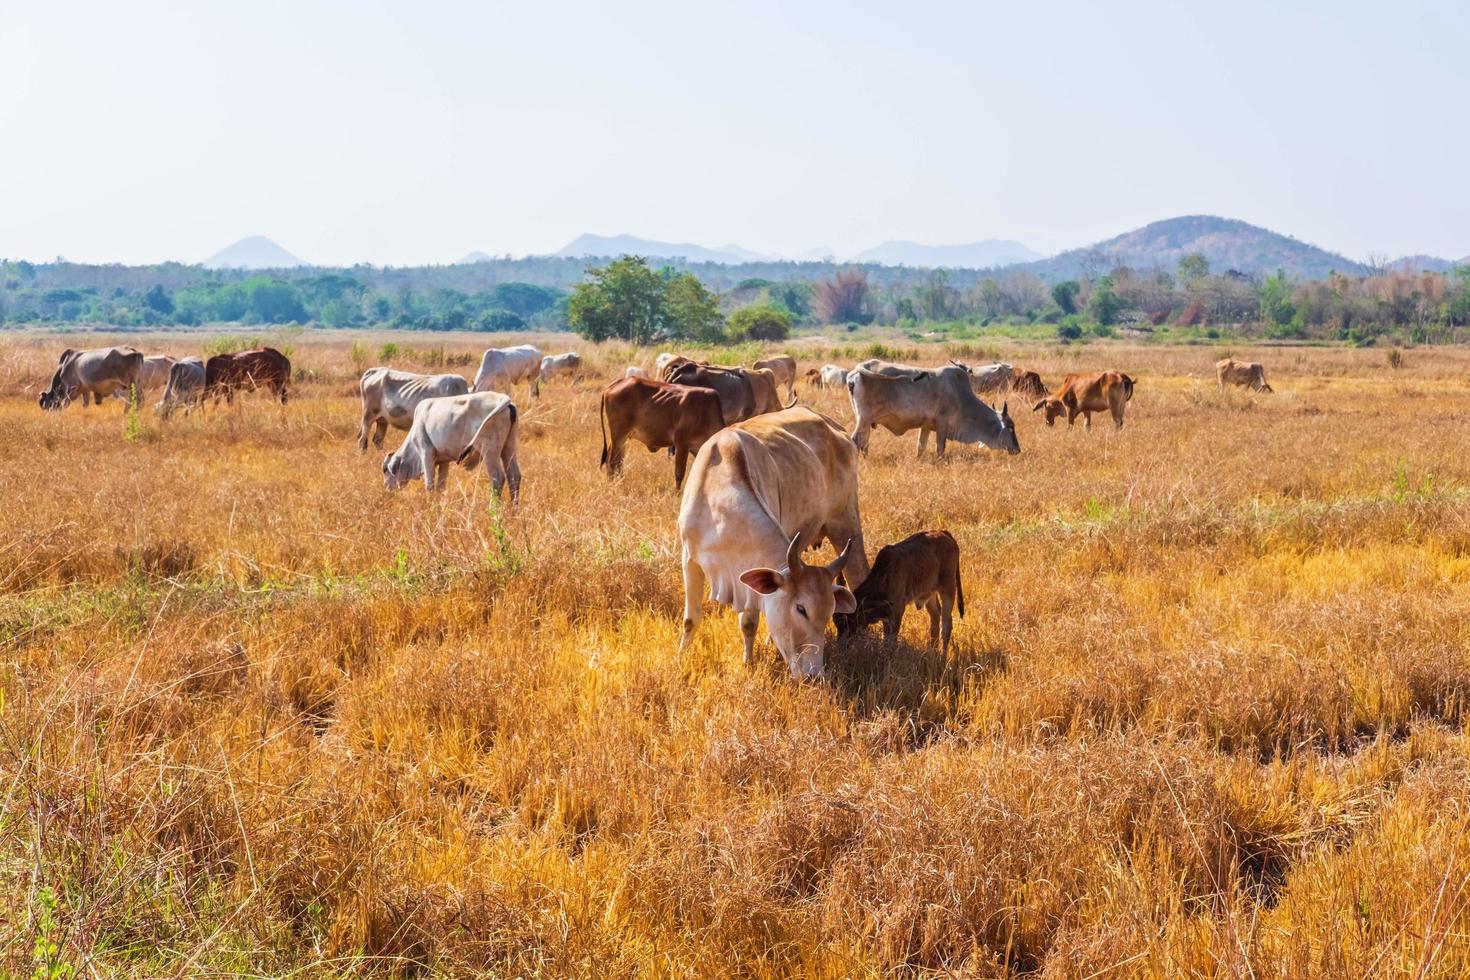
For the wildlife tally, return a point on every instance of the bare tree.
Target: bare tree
(843, 298)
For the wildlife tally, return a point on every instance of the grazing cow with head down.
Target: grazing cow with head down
(185, 387)
(784, 369)
(989, 378)
(467, 429)
(1246, 374)
(92, 374)
(554, 365)
(760, 491)
(939, 401)
(922, 569)
(503, 367)
(389, 398)
(264, 367)
(659, 415)
(1083, 394)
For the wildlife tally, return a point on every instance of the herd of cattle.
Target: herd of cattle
(769, 479)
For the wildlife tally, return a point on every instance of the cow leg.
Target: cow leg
(495, 469)
(748, 622)
(862, 431)
(694, 585)
(1087, 421)
(368, 422)
(681, 461)
(891, 627)
(941, 436)
(1117, 416)
(923, 441)
(381, 433)
(616, 446)
(428, 467)
(441, 480)
(935, 619)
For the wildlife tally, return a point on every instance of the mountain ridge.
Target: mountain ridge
(253, 252)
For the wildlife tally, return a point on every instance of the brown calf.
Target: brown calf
(923, 569)
(1083, 394)
(264, 367)
(659, 415)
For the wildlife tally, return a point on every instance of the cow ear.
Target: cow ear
(763, 580)
(846, 601)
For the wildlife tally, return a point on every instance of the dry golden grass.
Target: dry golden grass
(1207, 714)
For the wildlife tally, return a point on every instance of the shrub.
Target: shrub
(762, 321)
(1069, 328)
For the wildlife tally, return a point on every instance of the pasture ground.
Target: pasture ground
(1206, 714)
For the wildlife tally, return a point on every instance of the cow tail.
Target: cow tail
(602, 423)
(1127, 388)
(959, 590)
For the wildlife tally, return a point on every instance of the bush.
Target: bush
(763, 321)
(1069, 328)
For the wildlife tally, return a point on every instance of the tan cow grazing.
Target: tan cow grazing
(389, 397)
(467, 429)
(264, 367)
(154, 373)
(659, 415)
(95, 374)
(783, 367)
(1246, 374)
(185, 387)
(922, 569)
(1083, 394)
(554, 365)
(760, 490)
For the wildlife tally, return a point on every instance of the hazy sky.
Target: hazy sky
(414, 132)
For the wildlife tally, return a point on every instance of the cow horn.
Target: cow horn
(836, 566)
(793, 554)
(1005, 409)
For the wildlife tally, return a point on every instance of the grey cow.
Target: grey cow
(939, 401)
(185, 387)
(466, 429)
(95, 374)
(389, 397)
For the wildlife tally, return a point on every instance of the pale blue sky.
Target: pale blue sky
(415, 132)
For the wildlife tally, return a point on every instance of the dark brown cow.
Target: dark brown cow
(1028, 384)
(264, 367)
(1083, 394)
(659, 415)
(923, 569)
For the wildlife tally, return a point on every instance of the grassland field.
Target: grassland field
(1206, 714)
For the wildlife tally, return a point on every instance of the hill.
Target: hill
(1423, 263)
(1225, 242)
(255, 252)
(989, 254)
(612, 246)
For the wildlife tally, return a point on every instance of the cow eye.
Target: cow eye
(801, 609)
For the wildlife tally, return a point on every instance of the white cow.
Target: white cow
(467, 429)
(185, 387)
(389, 398)
(634, 371)
(569, 364)
(502, 367)
(988, 378)
(759, 491)
(834, 376)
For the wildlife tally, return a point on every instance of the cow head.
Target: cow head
(1007, 440)
(798, 603)
(1053, 407)
(395, 471)
(1265, 388)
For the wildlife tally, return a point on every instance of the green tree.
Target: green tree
(1064, 294)
(761, 321)
(1104, 307)
(1193, 266)
(693, 311)
(1276, 305)
(623, 299)
(158, 300)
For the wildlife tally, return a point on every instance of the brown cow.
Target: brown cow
(264, 367)
(1027, 383)
(1083, 394)
(783, 366)
(813, 377)
(1247, 374)
(923, 569)
(659, 415)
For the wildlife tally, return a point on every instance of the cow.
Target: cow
(989, 378)
(759, 492)
(634, 371)
(813, 377)
(500, 368)
(389, 397)
(92, 374)
(743, 393)
(1083, 394)
(185, 387)
(669, 364)
(834, 376)
(155, 371)
(556, 364)
(1247, 374)
(662, 361)
(467, 429)
(940, 401)
(1027, 384)
(659, 415)
(922, 569)
(783, 367)
(264, 367)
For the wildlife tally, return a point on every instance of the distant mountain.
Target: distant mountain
(1225, 242)
(989, 254)
(1423, 263)
(477, 256)
(612, 246)
(255, 252)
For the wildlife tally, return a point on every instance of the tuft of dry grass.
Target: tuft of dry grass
(1206, 715)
